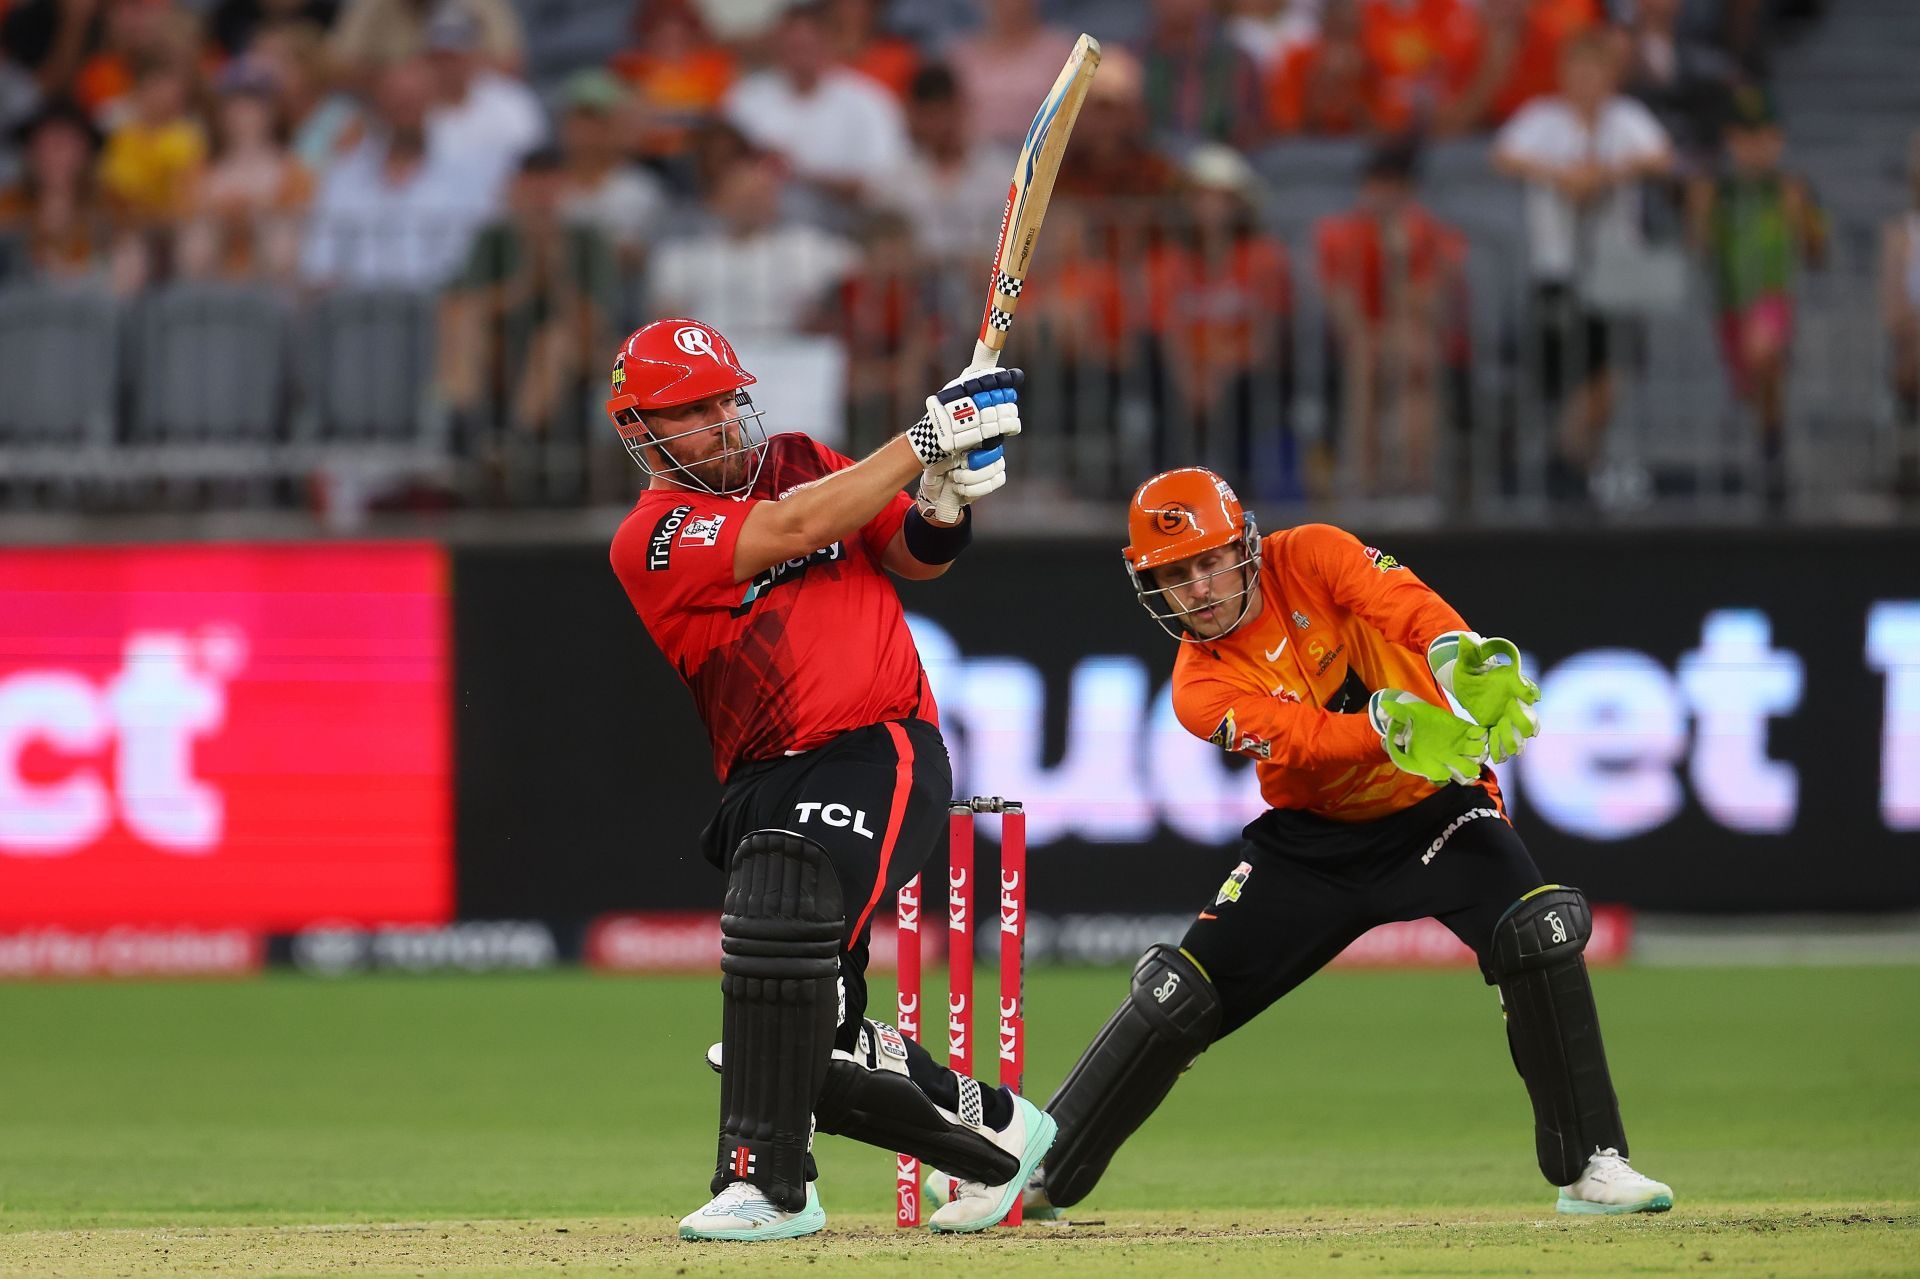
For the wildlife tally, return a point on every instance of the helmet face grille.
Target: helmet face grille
(638, 439)
(1171, 617)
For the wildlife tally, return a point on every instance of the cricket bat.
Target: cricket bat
(1027, 197)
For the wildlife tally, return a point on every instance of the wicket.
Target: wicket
(961, 926)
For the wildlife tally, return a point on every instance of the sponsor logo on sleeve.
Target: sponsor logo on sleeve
(1383, 561)
(1223, 735)
(660, 545)
(704, 531)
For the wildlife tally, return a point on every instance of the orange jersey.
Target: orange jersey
(1338, 621)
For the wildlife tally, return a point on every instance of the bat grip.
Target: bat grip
(947, 509)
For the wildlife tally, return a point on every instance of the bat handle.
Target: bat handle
(947, 509)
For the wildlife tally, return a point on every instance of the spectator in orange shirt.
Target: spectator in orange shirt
(857, 30)
(1390, 272)
(1327, 85)
(1200, 85)
(1522, 45)
(1218, 300)
(1423, 52)
(1077, 302)
(678, 72)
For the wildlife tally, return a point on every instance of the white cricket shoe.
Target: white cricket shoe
(1610, 1185)
(1034, 1204)
(743, 1212)
(973, 1206)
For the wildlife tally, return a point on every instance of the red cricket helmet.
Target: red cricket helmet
(679, 361)
(673, 361)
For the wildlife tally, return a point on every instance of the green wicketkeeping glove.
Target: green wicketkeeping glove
(1425, 739)
(1484, 677)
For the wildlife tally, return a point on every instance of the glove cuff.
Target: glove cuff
(1443, 655)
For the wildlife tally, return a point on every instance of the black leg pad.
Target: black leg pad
(780, 964)
(1553, 1029)
(1169, 1017)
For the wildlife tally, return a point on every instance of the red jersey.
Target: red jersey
(803, 652)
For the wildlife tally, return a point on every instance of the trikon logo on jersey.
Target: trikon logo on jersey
(660, 545)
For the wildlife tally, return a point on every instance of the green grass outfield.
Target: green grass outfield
(1371, 1124)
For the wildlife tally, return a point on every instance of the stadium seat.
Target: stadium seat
(207, 369)
(59, 379)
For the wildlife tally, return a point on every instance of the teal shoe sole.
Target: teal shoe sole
(1041, 1131)
(1584, 1208)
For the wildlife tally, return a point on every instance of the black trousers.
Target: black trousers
(874, 798)
(1307, 886)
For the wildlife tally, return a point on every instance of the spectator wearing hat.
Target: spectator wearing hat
(837, 130)
(532, 302)
(1393, 277)
(1200, 85)
(372, 34)
(52, 220)
(483, 117)
(680, 75)
(1006, 67)
(1756, 223)
(247, 209)
(1219, 302)
(624, 203)
(398, 211)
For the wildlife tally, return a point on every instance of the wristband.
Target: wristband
(937, 543)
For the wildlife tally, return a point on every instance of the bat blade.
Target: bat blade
(1028, 194)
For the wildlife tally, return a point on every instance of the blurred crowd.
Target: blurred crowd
(831, 171)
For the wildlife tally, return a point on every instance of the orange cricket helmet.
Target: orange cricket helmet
(1176, 516)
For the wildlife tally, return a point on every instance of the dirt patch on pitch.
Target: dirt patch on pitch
(1227, 1243)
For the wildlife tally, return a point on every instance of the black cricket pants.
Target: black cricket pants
(1308, 886)
(874, 798)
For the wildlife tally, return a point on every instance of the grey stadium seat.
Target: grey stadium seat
(207, 369)
(59, 377)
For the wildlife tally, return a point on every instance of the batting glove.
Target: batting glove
(1427, 740)
(975, 411)
(962, 481)
(1484, 677)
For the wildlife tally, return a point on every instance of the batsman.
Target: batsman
(760, 567)
(1330, 665)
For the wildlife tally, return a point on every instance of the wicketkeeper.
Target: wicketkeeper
(1329, 664)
